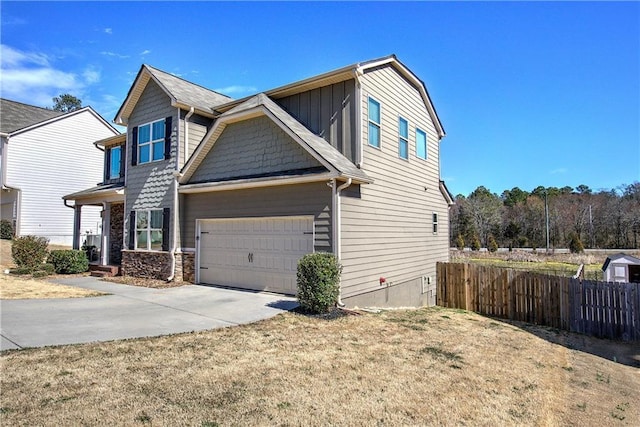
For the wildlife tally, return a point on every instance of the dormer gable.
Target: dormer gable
(182, 94)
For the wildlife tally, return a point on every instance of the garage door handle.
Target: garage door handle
(250, 257)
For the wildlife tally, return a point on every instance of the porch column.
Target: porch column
(77, 216)
(106, 231)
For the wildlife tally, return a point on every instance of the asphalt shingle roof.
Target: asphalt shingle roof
(16, 115)
(189, 93)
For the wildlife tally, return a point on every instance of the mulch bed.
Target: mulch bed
(146, 283)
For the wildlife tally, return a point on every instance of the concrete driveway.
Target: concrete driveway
(130, 312)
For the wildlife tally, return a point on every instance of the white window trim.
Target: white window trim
(148, 230)
(435, 220)
(118, 147)
(402, 138)
(379, 124)
(426, 144)
(150, 142)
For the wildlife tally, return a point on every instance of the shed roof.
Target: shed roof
(261, 104)
(16, 115)
(617, 257)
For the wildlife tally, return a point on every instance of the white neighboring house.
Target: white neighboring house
(45, 154)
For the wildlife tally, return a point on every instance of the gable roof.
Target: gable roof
(183, 94)
(616, 257)
(16, 115)
(260, 105)
(346, 73)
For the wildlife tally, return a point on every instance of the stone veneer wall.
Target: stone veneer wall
(146, 264)
(185, 270)
(115, 234)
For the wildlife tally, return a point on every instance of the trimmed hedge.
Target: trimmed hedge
(318, 282)
(69, 261)
(29, 252)
(6, 229)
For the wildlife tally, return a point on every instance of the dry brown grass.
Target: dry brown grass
(16, 287)
(422, 367)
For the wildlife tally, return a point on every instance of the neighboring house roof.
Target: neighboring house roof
(16, 115)
(259, 105)
(183, 94)
(346, 73)
(616, 257)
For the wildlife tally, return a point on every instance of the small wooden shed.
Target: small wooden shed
(621, 268)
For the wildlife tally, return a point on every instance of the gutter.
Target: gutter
(186, 133)
(357, 72)
(336, 225)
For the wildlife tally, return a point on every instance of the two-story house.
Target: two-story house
(45, 154)
(234, 192)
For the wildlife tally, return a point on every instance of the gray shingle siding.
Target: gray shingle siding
(252, 147)
(150, 185)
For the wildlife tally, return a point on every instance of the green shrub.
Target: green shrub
(575, 244)
(460, 242)
(6, 229)
(492, 245)
(29, 252)
(475, 243)
(318, 282)
(69, 261)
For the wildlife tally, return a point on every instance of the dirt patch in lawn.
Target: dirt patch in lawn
(18, 287)
(409, 367)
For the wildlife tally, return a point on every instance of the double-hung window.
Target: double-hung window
(421, 144)
(374, 123)
(115, 159)
(151, 142)
(149, 229)
(403, 138)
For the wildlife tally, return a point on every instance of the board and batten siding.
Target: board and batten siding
(387, 231)
(329, 112)
(51, 161)
(150, 185)
(284, 200)
(252, 147)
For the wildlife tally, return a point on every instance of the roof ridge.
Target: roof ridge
(185, 80)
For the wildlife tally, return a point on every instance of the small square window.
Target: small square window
(435, 222)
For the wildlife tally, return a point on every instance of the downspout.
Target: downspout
(95, 144)
(5, 186)
(357, 72)
(176, 206)
(336, 229)
(186, 133)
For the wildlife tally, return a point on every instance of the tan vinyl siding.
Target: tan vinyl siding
(387, 232)
(286, 200)
(150, 185)
(252, 147)
(198, 127)
(329, 112)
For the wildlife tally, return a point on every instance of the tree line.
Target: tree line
(576, 217)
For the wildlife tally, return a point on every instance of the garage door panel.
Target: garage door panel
(275, 244)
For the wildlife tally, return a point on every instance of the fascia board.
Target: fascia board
(253, 183)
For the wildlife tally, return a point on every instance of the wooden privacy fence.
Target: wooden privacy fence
(602, 309)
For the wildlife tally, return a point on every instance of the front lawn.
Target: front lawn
(406, 367)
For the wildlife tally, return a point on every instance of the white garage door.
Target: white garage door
(253, 253)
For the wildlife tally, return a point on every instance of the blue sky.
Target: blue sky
(541, 93)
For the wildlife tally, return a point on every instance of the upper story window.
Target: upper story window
(115, 162)
(403, 139)
(151, 142)
(374, 123)
(421, 144)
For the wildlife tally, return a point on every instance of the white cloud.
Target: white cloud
(108, 30)
(145, 52)
(236, 89)
(32, 78)
(559, 171)
(113, 54)
(91, 75)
